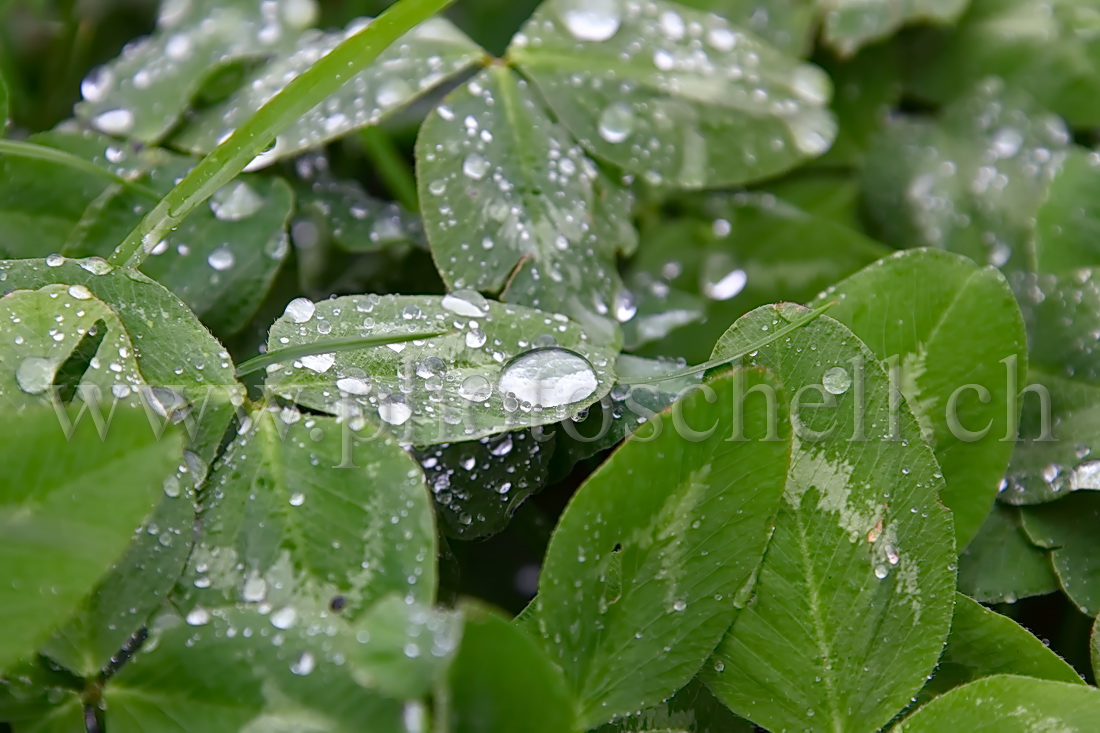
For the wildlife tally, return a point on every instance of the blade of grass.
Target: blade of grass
(298, 97)
(706, 365)
(280, 356)
(20, 149)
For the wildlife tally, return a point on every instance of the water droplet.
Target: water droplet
(475, 166)
(114, 121)
(221, 259)
(719, 665)
(79, 292)
(198, 617)
(235, 201)
(726, 286)
(304, 665)
(549, 377)
(34, 374)
(592, 20)
(811, 84)
(679, 605)
(254, 589)
(625, 306)
(432, 366)
(353, 385)
(54, 260)
(394, 410)
(284, 618)
(469, 303)
(836, 380)
(616, 122)
(1086, 476)
(97, 84)
(1007, 142)
(297, 498)
(476, 338)
(475, 388)
(721, 39)
(300, 310)
(393, 92)
(319, 363)
(96, 265)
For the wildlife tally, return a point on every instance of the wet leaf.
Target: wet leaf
(1010, 703)
(660, 89)
(1067, 225)
(71, 504)
(868, 90)
(137, 583)
(1000, 565)
(851, 24)
(145, 91)
(860, 533)
(502, 680)
(190, 371)
(421, 60)
(983, 643)
(482, 368)
(478, 485)
(300, 516)
(913, 310)
(232, 670)
(693, 709)
(786, 24)
(1067, 528)
(511, 202)
(970, 182)
(744, 250)
(1060, 424)
(639, 580)
(1050, 50)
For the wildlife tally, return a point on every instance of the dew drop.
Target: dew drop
(475, 388)
(319, 363)
(476, 338)
(726, 286)
(254, 589)
(592, 20)
(394, 410)
(836, 380)
(114, 121)
(284, 618)
(1086, 477)
(549, 377)
(881, 571)
(475, 166)
(235, 201)
(469, 303)
(353, 385)
(297, 498)
(79, 292)
(616, 122)
(97, 84)
(34, 374)
(221, 259)
(54, 260)
(392, 92)
(198, 617)
(300, 310)
(304, 664)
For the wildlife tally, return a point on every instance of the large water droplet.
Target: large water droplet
(469, 303)
(353, 385)
(592, 20)
(254, 589)
(836, 380)
(394, 410)
(616, 122)
(393, 92)
(549, 377)
(235, 201)
(304, 665)
(727, 286)
(114, 121)
(34, 374)
(300, 310)
(198, 617)
(475, 166)
(1085, 477)
(97, 84)
(319, 363)
(221, 258)
(475, 388)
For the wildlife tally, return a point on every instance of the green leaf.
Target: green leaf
(1094, 647)
(70, 506)
(1009, 703)
(693, 709)
(511, 203)
(1067, 528)
(868, 90)
(5, 106)
(1067, 225)
(983, 643)
(660, 89)
(970, 182)
(419, 61)
(138, 582)
(789, 25)
(300, 515)
(444, 388)
(189, 370)
(252, 137)
(502, 680)
(914, 310)
(478, 485)
(1060, 424)
(1050, 51)
(1000, 565)
(640, 577)
(744, 250)
(232, 670)
(860, 534)
(851, 24)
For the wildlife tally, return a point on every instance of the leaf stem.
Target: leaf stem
(390, 166)
(302, 94)
(279, 356)
(33, 151)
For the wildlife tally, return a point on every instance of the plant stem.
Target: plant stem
(302, 94)
(390, 166)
